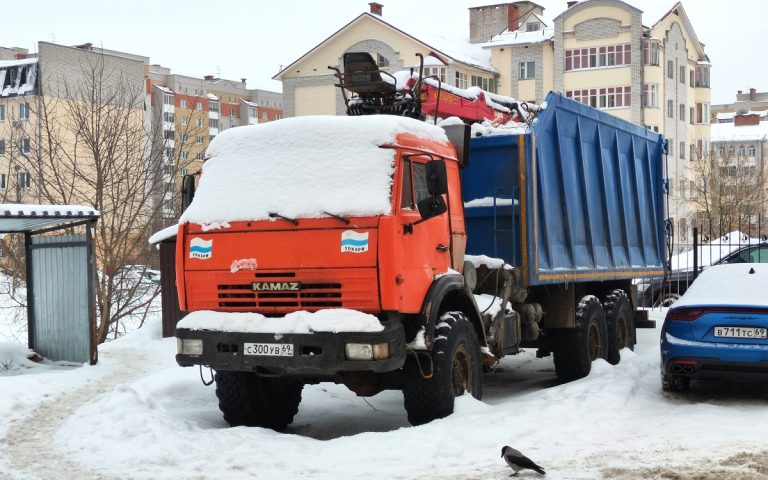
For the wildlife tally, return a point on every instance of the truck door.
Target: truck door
(426, 246)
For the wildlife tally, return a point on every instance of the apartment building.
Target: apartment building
(598, 52)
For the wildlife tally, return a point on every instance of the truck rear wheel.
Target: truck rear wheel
(620, 322)
(247, 399)
(457, 369)
(575, 349)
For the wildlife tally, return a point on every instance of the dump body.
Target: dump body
(579, 198)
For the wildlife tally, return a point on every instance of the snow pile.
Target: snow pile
(302, 167)
(729, 284)
(488, 128)
(16, 359)
(22, 209)
(489, 202)
(490, 262)
(164, 234)
(328, 320)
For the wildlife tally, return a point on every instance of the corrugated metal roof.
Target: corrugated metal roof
(27, 218)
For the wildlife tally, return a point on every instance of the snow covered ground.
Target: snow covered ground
(137, 415)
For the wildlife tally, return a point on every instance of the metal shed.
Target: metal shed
(60, 267)
(165, 240)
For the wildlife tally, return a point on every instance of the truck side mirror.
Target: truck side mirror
(431, 207)
(437, 178)
(187, 190)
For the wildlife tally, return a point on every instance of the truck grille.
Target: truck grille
(311, 295)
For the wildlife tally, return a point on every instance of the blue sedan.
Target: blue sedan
(718, 328)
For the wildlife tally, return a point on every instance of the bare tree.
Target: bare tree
(89, 144)
(728, 188)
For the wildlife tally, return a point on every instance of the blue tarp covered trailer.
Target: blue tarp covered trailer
(578, 198)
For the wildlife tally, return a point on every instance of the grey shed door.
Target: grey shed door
(62, 297)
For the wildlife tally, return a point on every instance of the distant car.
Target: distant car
(664, 292)
(718, 328)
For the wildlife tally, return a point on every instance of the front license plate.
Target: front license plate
(269, 349)
(741, 332)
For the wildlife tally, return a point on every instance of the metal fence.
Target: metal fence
(702, 246)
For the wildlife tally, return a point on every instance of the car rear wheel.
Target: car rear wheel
(666, 299)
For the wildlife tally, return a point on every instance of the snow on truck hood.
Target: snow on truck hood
(301, 167)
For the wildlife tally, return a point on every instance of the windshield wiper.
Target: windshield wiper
(282, 217)
(338, 217)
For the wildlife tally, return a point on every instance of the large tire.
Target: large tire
(576, 348)
(457, 369)
(621, 324)
(247, 399)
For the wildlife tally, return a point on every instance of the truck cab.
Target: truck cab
(279, 229)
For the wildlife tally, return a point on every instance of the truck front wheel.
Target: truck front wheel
(247, 399)
(456, 369)
(575, 349)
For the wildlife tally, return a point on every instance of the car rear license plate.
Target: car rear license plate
(269, 349)
(741, 332)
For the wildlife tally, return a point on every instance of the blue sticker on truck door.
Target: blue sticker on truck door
(354, 242)
(200, 249)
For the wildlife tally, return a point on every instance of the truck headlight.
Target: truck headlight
(189, 346)
(367, 351)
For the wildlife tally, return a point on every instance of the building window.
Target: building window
(671, 108)
(3, 181)
(692, 76)
(692, 114)
(200, 156)
(168, 134)
(741, 151)
(702, 113)
(24, 179)
(682, 74)
(527, 70)
(650, 52)
(265, 115)
(200, 122)
(184, 138)
(168, 99)
(213, 106)
(610, 97)
(169, 153)
(199, 139)
(184, 120)
(532, 27)
(483, 82)
(598, 57)
(168, 117)
(461, 80)
(682, 112)
(23, 111)
(183, 103)
(2, 147)
(670, 69)
(198, 105)
(2, 113)
(213, 123)
(232, 113)
(650, 95)
(252, 112)
(438, 72)
(682, 150)
(751, 150)
(702, 76)
(683, 185)
(693, 153)
(24, 146)
(184, 155)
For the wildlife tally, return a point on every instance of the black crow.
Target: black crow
(517, 461)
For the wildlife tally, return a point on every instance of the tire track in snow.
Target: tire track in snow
(31, 443)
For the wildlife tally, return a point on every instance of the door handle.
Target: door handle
(442, 248)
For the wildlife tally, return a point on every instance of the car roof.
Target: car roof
(728, 284)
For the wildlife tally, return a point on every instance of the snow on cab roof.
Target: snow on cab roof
(301, 167)
(728, 284)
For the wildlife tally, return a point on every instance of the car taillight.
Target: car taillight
(686, 314)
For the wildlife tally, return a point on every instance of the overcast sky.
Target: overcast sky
(253, 39)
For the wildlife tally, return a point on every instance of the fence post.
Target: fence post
(695, 252)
